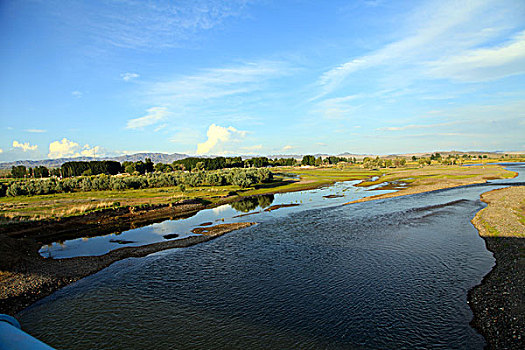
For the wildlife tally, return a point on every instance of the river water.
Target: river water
(383, 274)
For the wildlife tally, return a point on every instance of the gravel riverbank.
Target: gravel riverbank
(498, 303)
(34, 277)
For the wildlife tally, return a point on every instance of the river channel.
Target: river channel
(383, 274)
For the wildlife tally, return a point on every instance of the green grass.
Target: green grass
(493, 232)
(54, 205)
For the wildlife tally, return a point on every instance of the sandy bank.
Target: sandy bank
(420, 181)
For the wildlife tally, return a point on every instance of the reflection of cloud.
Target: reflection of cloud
(221, 209)
(163, 228)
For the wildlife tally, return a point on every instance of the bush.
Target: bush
(232, 176)
(15, 189)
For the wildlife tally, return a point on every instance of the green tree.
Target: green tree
(308, 160)
(148, 165)
(41, 171)
(19, 171)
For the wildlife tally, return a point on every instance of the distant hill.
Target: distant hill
(170, 158)
(55, 163)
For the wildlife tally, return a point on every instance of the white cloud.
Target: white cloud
(129, 76)
(415, 126)
(1, 151)
(443, 35)
(483, 64)
(38, 131)
(339, 107)
(68, 149)
(154, 115)
(25, 147)
(160, 127)
(147, 24)
(215, 83)
(287, 147)
(77, 94)
(218, 138)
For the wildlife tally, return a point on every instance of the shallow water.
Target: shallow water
(383, 274)
(346, 191)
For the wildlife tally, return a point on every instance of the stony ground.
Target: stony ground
(34, 277)
(498, 303)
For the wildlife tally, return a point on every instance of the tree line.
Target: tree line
(238, 177)
(108, 167)
(311, 160)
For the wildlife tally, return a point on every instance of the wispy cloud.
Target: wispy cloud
(25, 147)
(77, 94)
(415, 126)
(129, 76)
(148, 24)
(339, 107)
(483, 64)
(444, 36)
(216, 83)
(210, 94)
(219, 139)
(153, 116)
(37, 131)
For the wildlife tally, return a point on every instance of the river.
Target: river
(382, 274)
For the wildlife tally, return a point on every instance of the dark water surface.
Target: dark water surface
(383, 274)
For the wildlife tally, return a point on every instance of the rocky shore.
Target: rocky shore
(498, 303)
(30, 277)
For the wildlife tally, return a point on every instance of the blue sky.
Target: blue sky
(260, 77)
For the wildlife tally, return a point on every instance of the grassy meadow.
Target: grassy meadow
(286, 179)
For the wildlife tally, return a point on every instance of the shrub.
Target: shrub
(15, 189)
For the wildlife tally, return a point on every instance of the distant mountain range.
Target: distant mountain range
(55, 163)
(170, 158)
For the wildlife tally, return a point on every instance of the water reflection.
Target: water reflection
(333, 195)
(383, 274)
(251, 203)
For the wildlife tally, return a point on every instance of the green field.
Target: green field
(286, 179)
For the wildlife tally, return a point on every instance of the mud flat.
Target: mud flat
(498, 303)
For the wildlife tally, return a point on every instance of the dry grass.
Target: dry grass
(436, 178)
(503, 217)
(83, 208)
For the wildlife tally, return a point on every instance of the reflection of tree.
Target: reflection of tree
(248, 204)
(265, 201)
